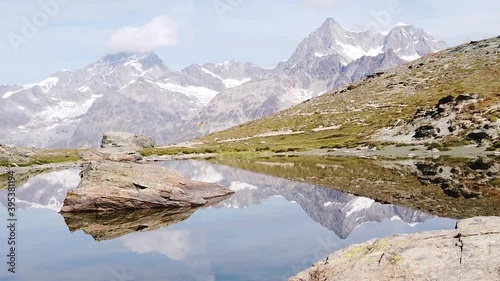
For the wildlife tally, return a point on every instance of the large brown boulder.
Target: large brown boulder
(470, 252)
(110, 186)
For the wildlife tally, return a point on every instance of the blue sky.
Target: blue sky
(73, 33)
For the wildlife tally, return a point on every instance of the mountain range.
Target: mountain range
(441, 101)
(138, 93)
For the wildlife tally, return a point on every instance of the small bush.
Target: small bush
(496, 144)
(435, 145)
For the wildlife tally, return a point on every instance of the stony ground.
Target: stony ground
(470, 252)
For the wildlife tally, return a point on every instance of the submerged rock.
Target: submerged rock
(110, 186)
(469, 252)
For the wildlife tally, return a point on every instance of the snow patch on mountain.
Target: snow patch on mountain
(237, 186)
(45, 85)
(356, 52)
(65, 112)
(228, 82)
(411, 58)
(84, 89)
(359, 204)
(205, 95)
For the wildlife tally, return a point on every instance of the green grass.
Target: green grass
(47, 156)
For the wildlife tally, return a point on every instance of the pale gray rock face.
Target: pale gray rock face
(410, 43)
(137, 93)
(251, 100)
(469, 252)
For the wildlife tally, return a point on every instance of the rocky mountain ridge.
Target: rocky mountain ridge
(138, 93)
(329, 58)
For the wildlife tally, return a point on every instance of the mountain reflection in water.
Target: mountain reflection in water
(270, 229)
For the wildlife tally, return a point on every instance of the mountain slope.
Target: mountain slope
(329, 58)
(451, 97)
(125, 92)
(139, 94)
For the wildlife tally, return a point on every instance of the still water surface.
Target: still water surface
(269, 229)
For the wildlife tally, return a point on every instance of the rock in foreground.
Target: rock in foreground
(110, 186)
(470, 252)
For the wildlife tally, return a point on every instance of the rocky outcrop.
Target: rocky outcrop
(117, 154)
(112, 186)
(470, 252)
(126, 140)
(119, 147)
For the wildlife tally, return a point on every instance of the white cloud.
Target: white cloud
(320, 3)
(176, 245)
(159, 32)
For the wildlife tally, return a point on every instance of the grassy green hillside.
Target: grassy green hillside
(354, 116)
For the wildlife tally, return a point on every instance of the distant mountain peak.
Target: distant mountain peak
(148, 59)
(117, 58)
(402, 24)
(330, 22)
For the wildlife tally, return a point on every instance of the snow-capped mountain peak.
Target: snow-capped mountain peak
(331, 39)
(330, 57)
(136, 92)
(411, 43)
(148, 60)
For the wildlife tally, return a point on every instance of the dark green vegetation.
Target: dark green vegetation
(456, 188)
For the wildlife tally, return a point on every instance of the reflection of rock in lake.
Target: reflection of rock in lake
(106, 226)
(467, 178)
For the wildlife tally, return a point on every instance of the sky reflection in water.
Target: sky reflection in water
(269, 230)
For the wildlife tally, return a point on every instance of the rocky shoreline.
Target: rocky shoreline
(470, 252)
(114, 181)
(119, 189)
